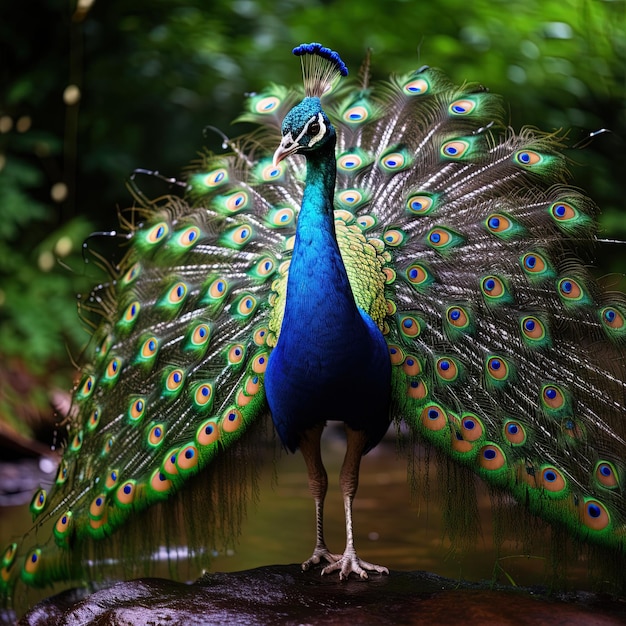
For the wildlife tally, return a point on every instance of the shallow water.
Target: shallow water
(392, 528)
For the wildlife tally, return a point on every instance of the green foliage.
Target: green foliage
(37, 294)
(38, 320)
(38, 304)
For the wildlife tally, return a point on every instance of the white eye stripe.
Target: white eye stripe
(320, 134)
(320, 121)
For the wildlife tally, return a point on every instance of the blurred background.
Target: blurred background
(91, 90)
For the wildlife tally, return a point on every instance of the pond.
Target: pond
(392, 527)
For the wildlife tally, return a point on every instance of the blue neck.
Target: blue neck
(318, 289)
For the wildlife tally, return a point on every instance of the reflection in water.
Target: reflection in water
(391, 527)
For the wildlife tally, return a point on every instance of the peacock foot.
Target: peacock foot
(320, 552)
(350, 563)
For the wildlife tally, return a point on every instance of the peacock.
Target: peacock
(372, 253)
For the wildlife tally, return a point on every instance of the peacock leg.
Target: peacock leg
(349, 480)
(310, 446)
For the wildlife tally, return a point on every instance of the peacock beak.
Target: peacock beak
(287, 146)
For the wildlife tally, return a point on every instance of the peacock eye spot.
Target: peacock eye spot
(605, 470)
(594, 510)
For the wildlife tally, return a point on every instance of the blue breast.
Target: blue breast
(331, 361)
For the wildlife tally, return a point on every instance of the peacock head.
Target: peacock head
(305, 128)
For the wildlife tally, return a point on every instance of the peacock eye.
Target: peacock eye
(314, 128)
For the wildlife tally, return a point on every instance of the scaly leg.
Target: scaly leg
(349, 480)
(310, 446)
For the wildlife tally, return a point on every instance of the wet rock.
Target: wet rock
(286, 595)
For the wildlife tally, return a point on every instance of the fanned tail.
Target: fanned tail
(507, 354)
(461, 240)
